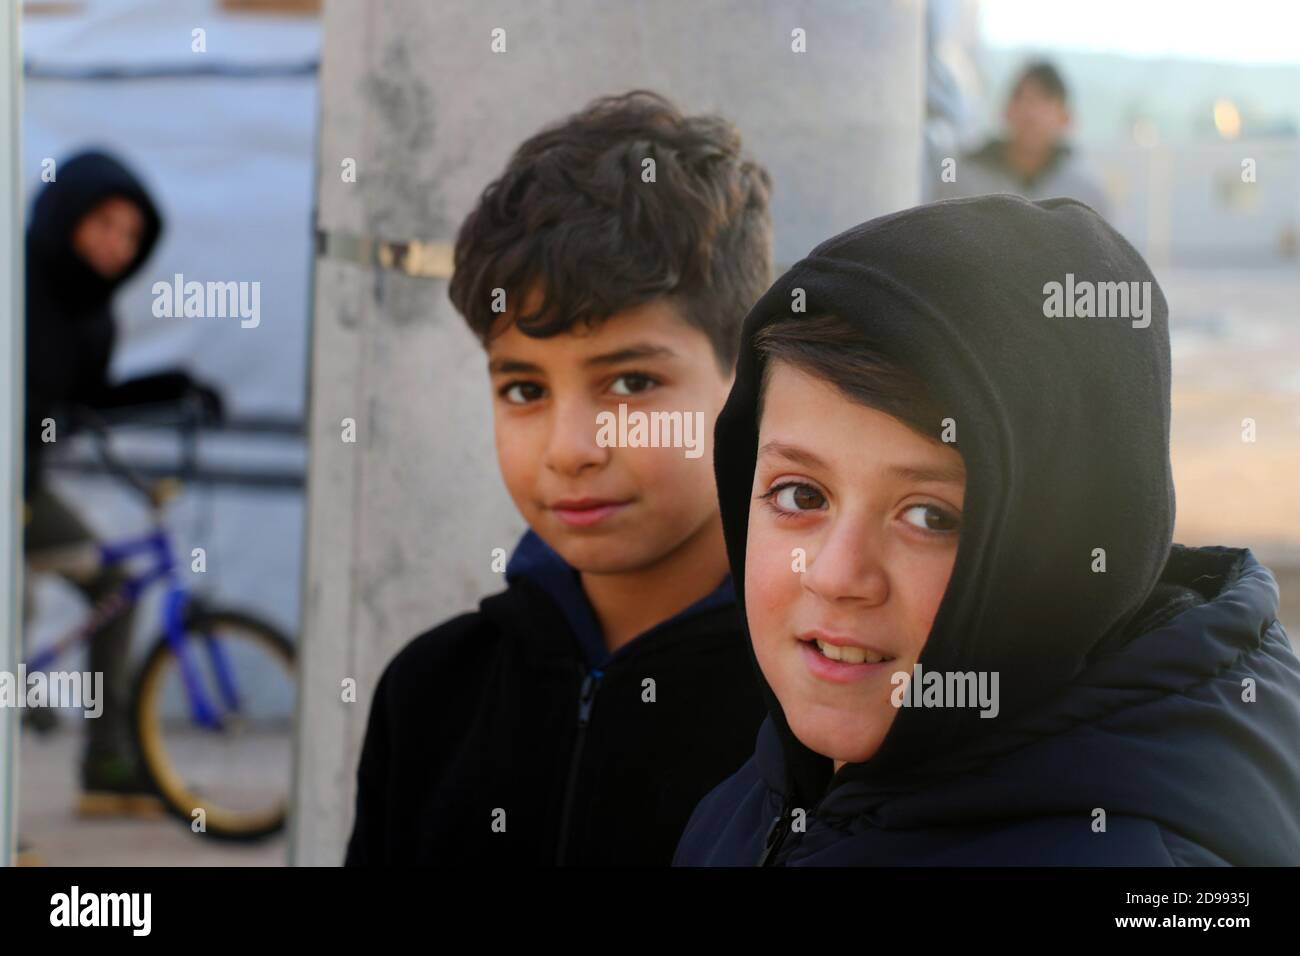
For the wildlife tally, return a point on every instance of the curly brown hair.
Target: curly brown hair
(572, 219)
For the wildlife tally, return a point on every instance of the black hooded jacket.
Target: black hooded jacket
(70, 329)
(1150, 713)
(512, 736)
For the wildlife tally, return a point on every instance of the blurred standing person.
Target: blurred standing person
(1033, 158)
(91, 229)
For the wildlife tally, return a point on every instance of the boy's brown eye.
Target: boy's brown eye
(805, 497)
(632, 383)
(931, 518)
(797, 497)
(521, 393)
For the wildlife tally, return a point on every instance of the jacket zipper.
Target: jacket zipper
(775, 836)
(585, 698)
(782, 824)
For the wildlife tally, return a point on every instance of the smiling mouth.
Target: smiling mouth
(586, 511)
(846, 653)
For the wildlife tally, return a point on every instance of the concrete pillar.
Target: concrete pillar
(11, 408)
(402, 523)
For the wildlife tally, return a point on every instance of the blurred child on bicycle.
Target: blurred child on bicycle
(91, 229)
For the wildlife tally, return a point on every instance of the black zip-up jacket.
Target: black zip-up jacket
(492, 739)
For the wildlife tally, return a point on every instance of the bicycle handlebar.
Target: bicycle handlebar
(155, 492)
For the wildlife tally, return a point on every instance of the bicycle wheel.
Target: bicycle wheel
(214, 724)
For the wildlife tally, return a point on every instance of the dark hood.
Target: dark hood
(82, 181)
(1063, 424)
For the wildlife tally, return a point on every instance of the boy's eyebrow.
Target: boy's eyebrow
(502, 365)
(640, 350)
(955, 473)
(800, 456)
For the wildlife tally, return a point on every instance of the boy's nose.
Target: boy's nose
(847, 565)
(571, 446)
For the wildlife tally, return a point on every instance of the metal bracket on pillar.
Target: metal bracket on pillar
(418, 258)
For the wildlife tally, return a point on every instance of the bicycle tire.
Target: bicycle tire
(174, 792)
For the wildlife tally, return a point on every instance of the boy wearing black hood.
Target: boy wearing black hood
(580, 715)
(948, 494)
(92, 228)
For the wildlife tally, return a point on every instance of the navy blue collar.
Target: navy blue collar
(535, 560)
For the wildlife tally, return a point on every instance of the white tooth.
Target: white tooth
(830, 650)
(871, 657)
(852, 655)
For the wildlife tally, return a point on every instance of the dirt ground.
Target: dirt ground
(48, 824)
(1236, 369)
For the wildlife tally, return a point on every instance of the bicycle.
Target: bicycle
(216, 687)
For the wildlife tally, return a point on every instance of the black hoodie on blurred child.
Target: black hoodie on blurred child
(70, 329)
(1162, 692)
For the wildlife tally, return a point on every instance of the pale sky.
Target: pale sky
(1241, 31)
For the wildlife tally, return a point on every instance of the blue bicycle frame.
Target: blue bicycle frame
(176, 603)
